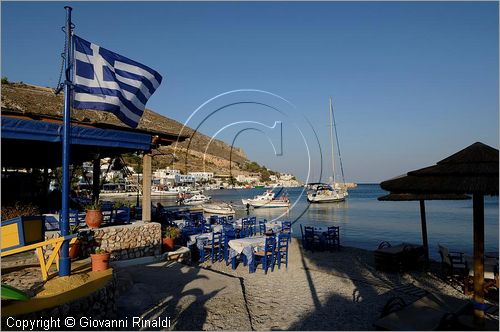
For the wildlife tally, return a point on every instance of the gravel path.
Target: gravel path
(327, 290)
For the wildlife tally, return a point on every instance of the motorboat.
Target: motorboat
(218, 208)
(197, 199)
(267, 200)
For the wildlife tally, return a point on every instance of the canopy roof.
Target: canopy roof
(471, 170)
(420, 197)
(37, 144)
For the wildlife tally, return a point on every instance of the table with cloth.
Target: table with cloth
(246, 247)
(201, 239)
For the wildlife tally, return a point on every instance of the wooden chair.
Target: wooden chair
(333, 237)
(282, 249)
(454, 266)
(267, 255)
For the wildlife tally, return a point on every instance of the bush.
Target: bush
(172, 232)
(18, 210)
(5, 80)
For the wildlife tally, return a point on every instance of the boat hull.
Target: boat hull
(334, 198)
(218, 210)
(265, 204)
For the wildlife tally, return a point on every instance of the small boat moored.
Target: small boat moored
(267, 200)
(218, 208)
(195, 200)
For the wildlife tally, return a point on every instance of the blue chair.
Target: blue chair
(333, 237)
(262, 227)
(282, 248)
(214, 246)
(74, 219)
(244, 232)
(266, 256)
(310, 240)
(286, 227)
(206, 228)
(122, 215)
(227, 228)
(213, 219)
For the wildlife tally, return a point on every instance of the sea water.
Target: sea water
(365, 222)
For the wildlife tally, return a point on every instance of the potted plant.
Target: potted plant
(74, 248)
(100, 259)
(93, 217)
(170, 234)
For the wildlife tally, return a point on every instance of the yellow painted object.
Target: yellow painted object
(54, 256)
(60, 290)
(33, 231)
(10, 236)
(21, 231)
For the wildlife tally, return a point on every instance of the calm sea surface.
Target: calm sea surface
(365, 222)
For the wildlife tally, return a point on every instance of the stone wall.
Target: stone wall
(136, 240)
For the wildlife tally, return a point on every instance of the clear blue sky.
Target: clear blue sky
(411, 82)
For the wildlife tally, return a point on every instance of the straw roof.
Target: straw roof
(41, 102)
(419, 197)
(471, 170)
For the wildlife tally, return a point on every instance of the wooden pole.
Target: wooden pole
(424, 229)
(146, 187)
(478, 207)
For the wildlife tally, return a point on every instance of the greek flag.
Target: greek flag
(107, 81)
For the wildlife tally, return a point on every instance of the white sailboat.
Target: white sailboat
(323, 193)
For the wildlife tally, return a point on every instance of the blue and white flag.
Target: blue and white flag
(107, 81)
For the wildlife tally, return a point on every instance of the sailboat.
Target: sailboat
(324, 193)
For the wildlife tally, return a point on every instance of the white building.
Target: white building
(180, 178)
(247, 179)
(286, 176)
(206, 176)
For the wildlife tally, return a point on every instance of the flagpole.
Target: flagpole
(64, 260)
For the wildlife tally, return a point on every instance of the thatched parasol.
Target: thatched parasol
(473, 170)
(422, 198)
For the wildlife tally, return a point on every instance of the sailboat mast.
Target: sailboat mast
(331, 141)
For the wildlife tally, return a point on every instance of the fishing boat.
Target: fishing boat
(218, 208)
(197, 199)
(323, 193)
(267, 200)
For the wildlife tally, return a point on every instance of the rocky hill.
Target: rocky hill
(39, 101)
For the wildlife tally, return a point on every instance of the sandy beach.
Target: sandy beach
(338, 290)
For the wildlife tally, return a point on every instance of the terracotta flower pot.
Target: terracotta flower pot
(168, 243)
(74, 250)
(93, 218)
(100, 262)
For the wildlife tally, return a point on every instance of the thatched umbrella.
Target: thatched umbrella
(422, 198)
(473, 170)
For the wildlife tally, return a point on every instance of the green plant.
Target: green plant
(5, 80)
(93, 206)
(73, 229)
(118, 204)
(99, 250)
(172, 232)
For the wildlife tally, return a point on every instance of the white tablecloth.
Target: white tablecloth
(239, 244)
